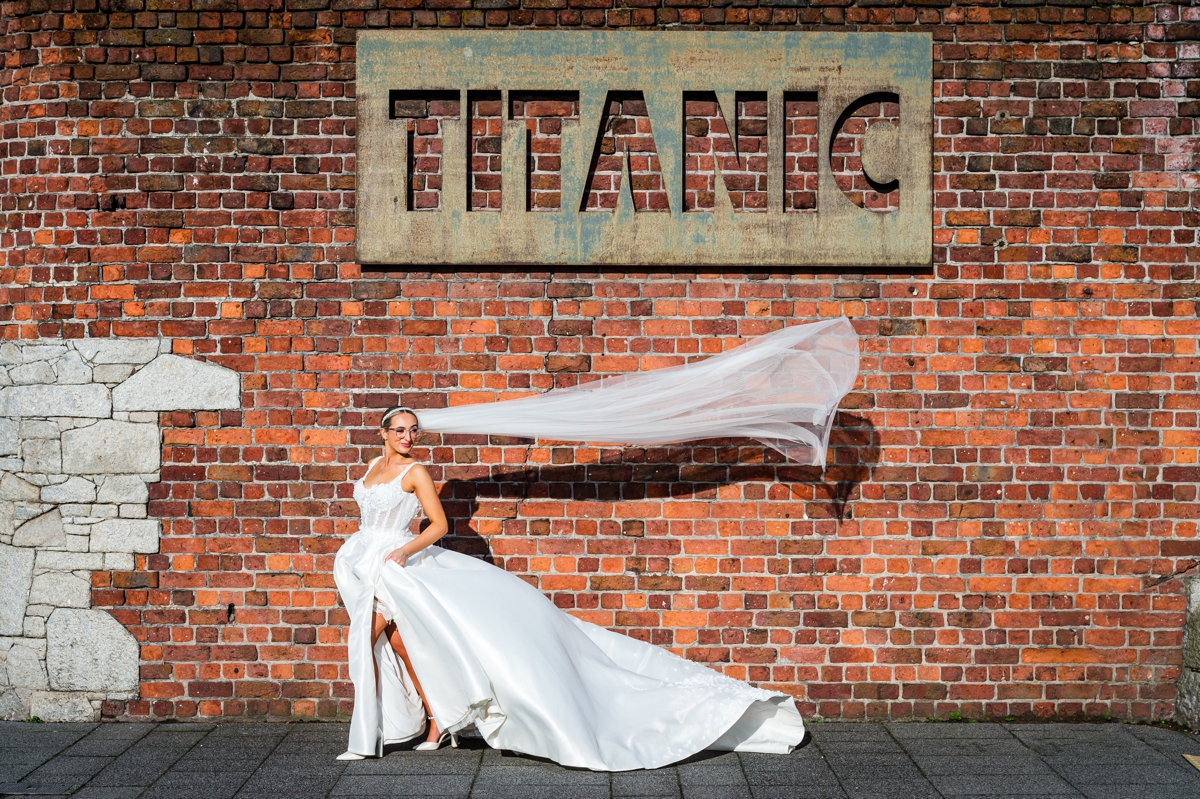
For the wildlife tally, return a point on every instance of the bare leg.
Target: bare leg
(398, 647)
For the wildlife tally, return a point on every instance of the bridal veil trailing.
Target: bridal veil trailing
(493, 653)
(781, 389)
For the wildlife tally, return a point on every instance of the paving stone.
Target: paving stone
(955, 732)
(181, 785)
(1000, 784)
(712, 775)
(438, 784)
(833, 791)
(105, 792)
(889, 789)
(541, 792)
(415, 763)
(1083, 774)
(501, 775)
(982, 764)
(716, 792)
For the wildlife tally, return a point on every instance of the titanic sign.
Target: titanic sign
(644, 148)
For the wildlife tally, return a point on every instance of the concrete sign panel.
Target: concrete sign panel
(456, 167)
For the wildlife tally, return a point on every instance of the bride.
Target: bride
(440, 641)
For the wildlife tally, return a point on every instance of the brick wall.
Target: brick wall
(1012, 490)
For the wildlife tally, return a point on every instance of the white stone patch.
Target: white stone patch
(14, 488)
(74, 475)
(89, 400)
(42, 455)
(12, 707)
(110, 447)
(44, 531)
(25, 668)
(62, 590)
(31, 374)
(8, 436)
(117, 350)
(125, 535)
(170, 383)
(58, 706)
(70, 369)
(16, 575)
(111, 372)
(89, 650)
(75, 489)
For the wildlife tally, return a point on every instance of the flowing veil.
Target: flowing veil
(782, 389)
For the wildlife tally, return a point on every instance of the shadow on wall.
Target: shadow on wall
(854, 451)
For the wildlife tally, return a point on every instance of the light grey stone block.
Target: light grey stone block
(89, 400)
(10, 354)
(40, 428)
(89, 650)
(18, 490)
(25, 669)
(112, 372)
(32, 374)
(40, 352)
(44, 531)
(7, 518)
(35, 625)
(69, 561)
(8, 436)
(16, 576)
(60, 590)
(117, 350)
(123, 488)
(70, 369)
(50, 706)
(170, 383)
(76, 489)
(110, 447)
(12, 706)
(42, 456)
(125, 535)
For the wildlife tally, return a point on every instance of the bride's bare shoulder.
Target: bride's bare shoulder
(417, 475)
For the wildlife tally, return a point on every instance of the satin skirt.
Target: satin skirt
(494, 653)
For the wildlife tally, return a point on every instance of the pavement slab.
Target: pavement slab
(870, 760)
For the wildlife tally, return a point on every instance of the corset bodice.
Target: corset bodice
(386, 507)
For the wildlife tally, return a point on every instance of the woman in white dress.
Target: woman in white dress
(472, 645)
(440, 641)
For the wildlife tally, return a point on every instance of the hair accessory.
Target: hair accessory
(398, 409)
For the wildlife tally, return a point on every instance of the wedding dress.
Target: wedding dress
(492, 652)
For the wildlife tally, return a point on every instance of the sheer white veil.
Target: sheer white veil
(782, 389)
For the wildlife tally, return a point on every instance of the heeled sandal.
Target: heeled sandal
(429, 746)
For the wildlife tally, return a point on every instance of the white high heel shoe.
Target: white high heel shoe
(351, 756)
(429, 746)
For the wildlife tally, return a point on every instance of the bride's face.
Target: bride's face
(400, 433)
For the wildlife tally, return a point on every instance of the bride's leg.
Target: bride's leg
(398, 647)
(378, 623)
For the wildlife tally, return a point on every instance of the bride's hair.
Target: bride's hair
(399, 409)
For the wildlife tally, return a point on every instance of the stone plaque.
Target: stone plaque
(420, 95)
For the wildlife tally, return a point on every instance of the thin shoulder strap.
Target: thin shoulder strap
(406, 468)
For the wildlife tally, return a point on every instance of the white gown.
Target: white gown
(494, 653)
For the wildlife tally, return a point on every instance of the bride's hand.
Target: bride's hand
(397, 556)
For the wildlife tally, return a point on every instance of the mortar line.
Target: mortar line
(908, 755)
(832, 770)
(167, 770)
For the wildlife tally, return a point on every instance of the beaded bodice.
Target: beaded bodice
(386, 507)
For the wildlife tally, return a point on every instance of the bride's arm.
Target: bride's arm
(422, 486)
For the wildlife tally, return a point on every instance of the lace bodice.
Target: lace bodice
(386, 507)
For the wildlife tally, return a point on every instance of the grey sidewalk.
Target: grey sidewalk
(842, 761)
